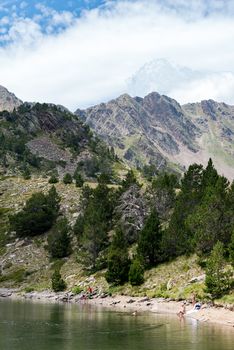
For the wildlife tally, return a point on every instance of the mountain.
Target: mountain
(8, 101)
(45, 138)
(157, 130)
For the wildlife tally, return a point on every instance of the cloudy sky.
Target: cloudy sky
(80, 52)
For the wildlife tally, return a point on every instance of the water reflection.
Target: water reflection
(37, 326)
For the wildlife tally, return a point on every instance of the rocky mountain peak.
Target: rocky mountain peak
(209, 107)
(156, 129)
(124, 98)
(8, 101)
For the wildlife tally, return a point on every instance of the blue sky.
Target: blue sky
(82, 52)
(10, 9)
(59, 5)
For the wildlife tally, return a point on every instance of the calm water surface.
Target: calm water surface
(37, 326)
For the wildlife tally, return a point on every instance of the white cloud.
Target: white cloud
(65, 18)
(23, 32)
(216, 86)
(181, 83)
(90, 61)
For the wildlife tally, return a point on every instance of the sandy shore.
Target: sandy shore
(136, 305)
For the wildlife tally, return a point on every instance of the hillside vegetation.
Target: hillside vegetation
(157, 240)
(49, 140)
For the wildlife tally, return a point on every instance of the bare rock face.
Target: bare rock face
(8, 101)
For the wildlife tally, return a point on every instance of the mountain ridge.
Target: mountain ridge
(154, 129)
(157, 129)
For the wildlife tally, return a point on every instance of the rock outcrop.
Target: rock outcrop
(8, 101)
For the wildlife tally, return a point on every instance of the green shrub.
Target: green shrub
(26, 174)
(16, 276)
(53, 179)
(58, 239)
(67, 179)
(38, 215)
(77, 290)
(78, 179)
(58, 284)
(136, 273)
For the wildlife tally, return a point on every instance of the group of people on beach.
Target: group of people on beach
(196, 306)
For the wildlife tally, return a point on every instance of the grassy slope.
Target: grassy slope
(212, 142)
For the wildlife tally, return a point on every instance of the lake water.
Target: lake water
(37, 326)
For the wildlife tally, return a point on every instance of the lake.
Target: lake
(28, 325)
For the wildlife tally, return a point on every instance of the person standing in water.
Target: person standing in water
(193, 298)
(182, 311)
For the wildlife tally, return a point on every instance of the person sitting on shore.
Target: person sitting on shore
(197, 306)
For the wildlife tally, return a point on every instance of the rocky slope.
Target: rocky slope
(45, 138)
(8, 101)
(158, 130)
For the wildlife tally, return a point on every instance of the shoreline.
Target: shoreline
(208, 314)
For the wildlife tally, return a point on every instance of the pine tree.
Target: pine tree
(178, 238)
(94, 224)
(79, 180)
(58, 239)
(118, 262)
(217, 280)
(210, 175)
(149, 242)
(94, 237)
(26, 173)
(136, 273)
(53, 201)
(164, 194)
(58, 284)
(67, 179)
(231, 249)
(211, 220)
(129, 180)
